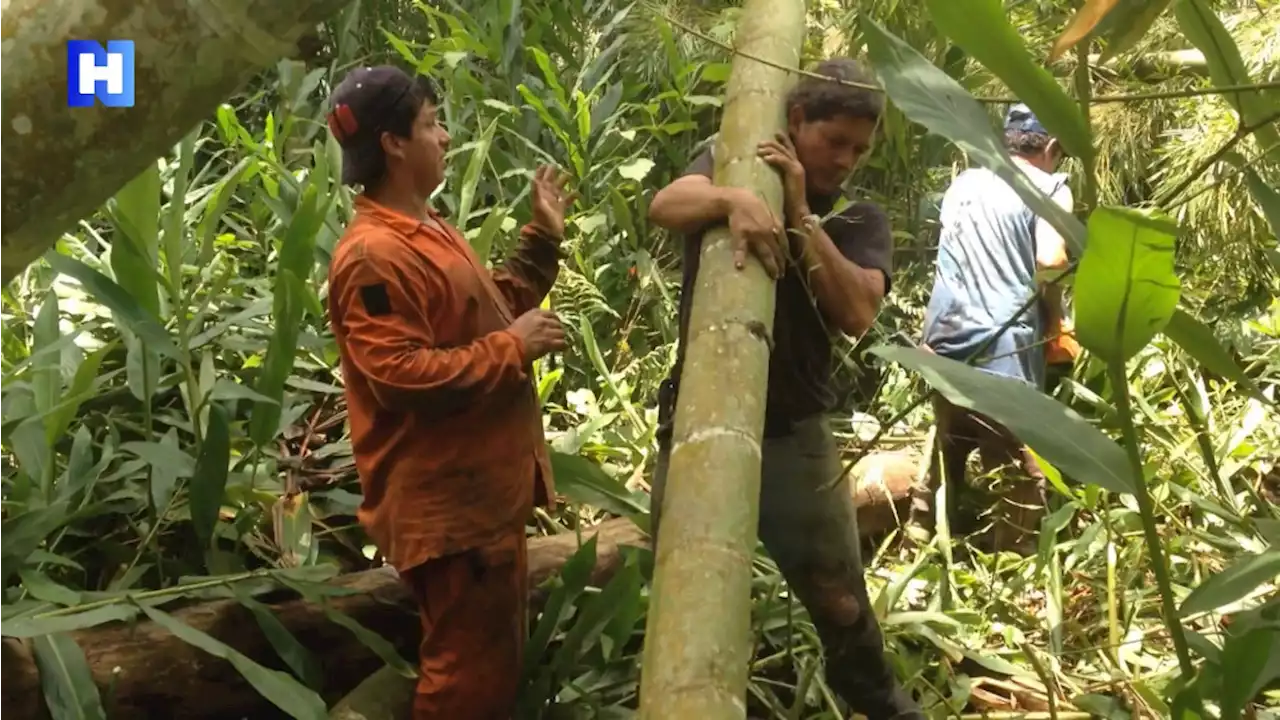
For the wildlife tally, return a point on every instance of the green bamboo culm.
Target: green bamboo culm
(697, 639)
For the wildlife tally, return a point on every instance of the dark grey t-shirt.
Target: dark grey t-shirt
(800, 366)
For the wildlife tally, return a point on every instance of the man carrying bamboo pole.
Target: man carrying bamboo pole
(833, 273)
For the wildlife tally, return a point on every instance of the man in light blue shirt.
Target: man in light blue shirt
(991, 247)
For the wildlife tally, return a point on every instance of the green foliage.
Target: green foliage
(172, 396)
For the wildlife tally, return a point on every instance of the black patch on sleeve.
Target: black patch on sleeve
(376, 300)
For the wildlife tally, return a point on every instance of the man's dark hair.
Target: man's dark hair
(371, 161)
(1022, 142)
(822, 99)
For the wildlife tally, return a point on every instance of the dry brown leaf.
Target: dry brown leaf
(1085, 20)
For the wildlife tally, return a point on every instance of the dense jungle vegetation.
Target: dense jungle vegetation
(173, 423)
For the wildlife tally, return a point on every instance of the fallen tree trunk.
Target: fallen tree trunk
(64, 162)
(143, 671)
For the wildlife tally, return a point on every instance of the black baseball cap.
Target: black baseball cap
(361, 108)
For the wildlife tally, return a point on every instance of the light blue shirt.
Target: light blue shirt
(986, 271)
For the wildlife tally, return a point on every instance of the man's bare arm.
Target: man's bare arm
(691, 203)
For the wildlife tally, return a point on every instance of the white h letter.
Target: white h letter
(112, 74)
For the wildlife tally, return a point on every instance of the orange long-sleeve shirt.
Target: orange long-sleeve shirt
(445, 423)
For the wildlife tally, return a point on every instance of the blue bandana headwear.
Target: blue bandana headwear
(1021, 118)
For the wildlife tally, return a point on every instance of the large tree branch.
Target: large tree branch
(61, 163)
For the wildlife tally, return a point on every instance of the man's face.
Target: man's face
(420, 157)
(830, 149)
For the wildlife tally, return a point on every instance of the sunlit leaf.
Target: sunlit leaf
(1257, 108)
(1125, 26)
(126, 308)
(932, 98)
(982, 28)
(637, 169)
(1199, 342)
(1126, 289)
(1053, 430)
(1250, 661)
(1082, 23)
(1236, 581)
(583, 481)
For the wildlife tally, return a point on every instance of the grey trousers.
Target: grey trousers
(813, 537)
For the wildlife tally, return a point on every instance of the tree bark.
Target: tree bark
(697, 640)
(154, 672)
(61, 163)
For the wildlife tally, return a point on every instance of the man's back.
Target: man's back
(985, 272)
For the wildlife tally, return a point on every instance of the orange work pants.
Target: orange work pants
(473, 606)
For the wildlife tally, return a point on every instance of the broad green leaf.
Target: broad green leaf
(1235, 582)
(209, 482)
(42, 587)
(1082, 23)
(82, 472)
(637, 169)
(68, 686)
(165, 475)
(135, 251)
(175, 231)
(1125, 288)
(1250, 661)
(228, 389)
(594, 616)
(1125, 26)
(46, 370)
(22, 533)
(59, 420)
(483, 242)
(582, 481)
(157, 453)
(471, 178)
(293, 653)
(222, 196)
(293, 273)
(569, 584)
(1198, 341)
(1053, 430)
(280, 688)
(930, 97)
(128, 312)
(36, 625)
(1205, 30)
(32, 451)
(982, 28)
(264, 422)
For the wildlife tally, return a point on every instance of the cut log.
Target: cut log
(145, 672)
(188, 56)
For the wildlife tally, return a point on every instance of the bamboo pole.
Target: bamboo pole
(697, 641)
(60, 163)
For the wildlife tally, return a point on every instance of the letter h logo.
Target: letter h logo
(93, 72)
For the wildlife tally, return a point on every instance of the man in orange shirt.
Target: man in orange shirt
(445, 424)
